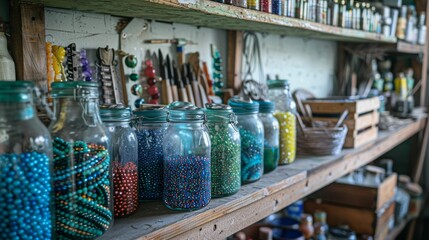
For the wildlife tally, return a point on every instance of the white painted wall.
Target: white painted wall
(306, 63)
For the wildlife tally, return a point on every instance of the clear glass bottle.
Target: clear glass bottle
(123, 154)
(150, 123)
(82, 176)
(25, 166)
(187, 180)
(7, 66)
(279, 93)
(225, 150)
(252, 139)
(271, 135)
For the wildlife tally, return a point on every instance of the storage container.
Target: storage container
(187, 180)
(150, 123)
(123, 152)
(82, 177)
(271, 135)
(25, 166)
(225, 150)
(252, 139)
(279, 93)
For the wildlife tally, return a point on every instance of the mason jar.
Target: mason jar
(123, 153)
(252, 139)
(150, 123)
(25, 166)
(187, 180)
(285, 112)
(82, 176)
(225, 150)
(271, 135)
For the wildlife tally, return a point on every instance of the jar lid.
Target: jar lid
(266, 106)
(404, 179)
(414, 189)
(243, 106)
(320, 216)
(75, 89)
(277, 83)
(115, 113)
(151, 113)
(219, 112)
(16, 91)
(342, 233)
(184, 111)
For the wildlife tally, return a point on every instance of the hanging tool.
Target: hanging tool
(167, 96)
(173, 85)
(185, 78)
(109, 83)
(72, 62)
(178, 81)
(194, 84)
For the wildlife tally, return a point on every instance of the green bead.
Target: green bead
(134, 77)
(131, 61)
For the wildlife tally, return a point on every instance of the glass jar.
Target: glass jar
(123, 154)
(271, 135)
(150, 123)
(25, 166)
(186, 148)
(279, 93)
(82, 177)
(7, 66)
(225, 150)
(252, 139)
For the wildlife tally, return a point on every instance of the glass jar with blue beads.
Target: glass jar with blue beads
(225, 150)
(25, 166)
(187, 180)
(82, 176)
(150, 122)
(252, 139)
(123, 154)
(271, 135)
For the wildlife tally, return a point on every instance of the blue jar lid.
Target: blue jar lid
(151, 113)
(115, 113)
(219, 112)
(75, 89)
(16, 91)
(240, 106)
(266, 106)
(184, 111)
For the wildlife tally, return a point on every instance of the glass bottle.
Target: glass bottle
(320, 225)
(82, 177)
(271, 135)
(25, 166)
(306, 226)
(187, 180)
(123, 153)
(150, 123)
(279, 93)
(7, 66)
(225, 150)
(252, 139)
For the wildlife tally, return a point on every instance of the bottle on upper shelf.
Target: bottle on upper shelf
(7, 66)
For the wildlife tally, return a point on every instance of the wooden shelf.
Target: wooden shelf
(276, 190)
(216, 15)
(394, 233)
(409, 48)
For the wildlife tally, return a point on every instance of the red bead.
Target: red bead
(151, 81)
(149, 63)
(152, 90)
(149, 72)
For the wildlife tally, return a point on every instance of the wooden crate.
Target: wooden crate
(362, 120)
(366, 197)
(362, 221)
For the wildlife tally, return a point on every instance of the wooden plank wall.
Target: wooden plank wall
(28, 42)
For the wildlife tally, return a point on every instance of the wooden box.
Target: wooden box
(362, 221)
(366, 197)
(362, 120)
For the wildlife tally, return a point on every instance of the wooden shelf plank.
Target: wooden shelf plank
(216, 15)
(394, 233)
(404, 47)
(276, 190)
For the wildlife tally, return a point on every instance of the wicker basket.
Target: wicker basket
(322, 139)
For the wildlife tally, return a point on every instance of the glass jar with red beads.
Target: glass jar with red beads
(123, 152)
